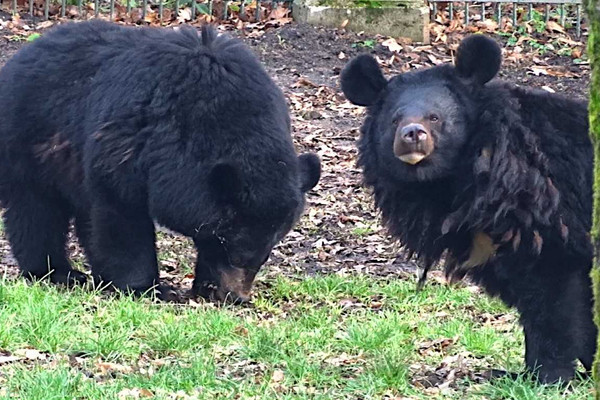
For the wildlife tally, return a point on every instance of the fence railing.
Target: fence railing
(563, 10)
(108, 7)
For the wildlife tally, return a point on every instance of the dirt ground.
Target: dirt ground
(340, 232)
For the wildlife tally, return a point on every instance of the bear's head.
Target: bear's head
(252, 221)
(418, 121)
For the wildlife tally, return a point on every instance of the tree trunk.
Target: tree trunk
(594, 118)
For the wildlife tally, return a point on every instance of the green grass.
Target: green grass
(324, 337)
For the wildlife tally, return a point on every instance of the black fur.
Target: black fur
(478, 59)
(367, 78)
(509, 162)
(118, 127)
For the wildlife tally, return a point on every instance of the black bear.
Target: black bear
(121, 127)
(496, 178)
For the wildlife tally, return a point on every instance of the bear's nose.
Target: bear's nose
(413, 133)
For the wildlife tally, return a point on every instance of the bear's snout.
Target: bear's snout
(413, 133)
(412, 142)
(235, 285)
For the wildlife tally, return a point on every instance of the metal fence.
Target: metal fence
(108, 7)
(564, 11)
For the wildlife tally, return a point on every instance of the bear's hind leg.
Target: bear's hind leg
(37, 226)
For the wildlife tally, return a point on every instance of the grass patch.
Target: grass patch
(324, 337)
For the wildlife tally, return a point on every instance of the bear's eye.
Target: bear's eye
(434, 118)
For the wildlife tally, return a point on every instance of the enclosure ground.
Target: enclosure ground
(334, 314)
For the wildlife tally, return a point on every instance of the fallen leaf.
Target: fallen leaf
(554, 26)
(488, 25)
(30, 354)
(537, 71)
(433, 59)
(44, 24)
(392, 44)
(277, 376)
(345, 359)
(108, 367)
(126, 394)
(184, 15)
(548, 89)
(8, 359)
(279, 13)
(437, 345)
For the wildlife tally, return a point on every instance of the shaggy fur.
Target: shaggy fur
(119, 127)
(507, 192)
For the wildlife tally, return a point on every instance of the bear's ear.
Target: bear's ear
(226, 180)
(478, 59)
(310, 171)
(362, 80)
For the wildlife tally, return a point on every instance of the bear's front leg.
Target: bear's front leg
(546, 356)
(558, 326)
(123, 249)
(205, 279)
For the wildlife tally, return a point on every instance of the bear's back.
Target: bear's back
(557, 127)
(161, 89)
(80, 76)
(562, 125)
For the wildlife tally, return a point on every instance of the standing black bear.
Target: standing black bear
(497, 175)
(119, 127)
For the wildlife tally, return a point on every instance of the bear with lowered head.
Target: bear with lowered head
(118, 128)
(494, 179)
